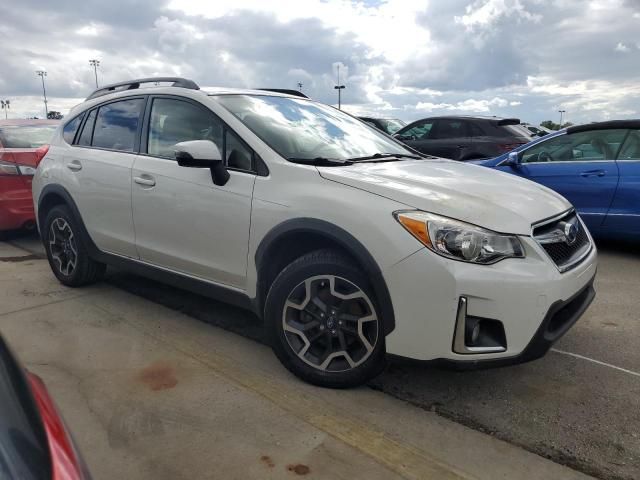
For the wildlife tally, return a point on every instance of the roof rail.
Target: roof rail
(133, 84)
(295, 93)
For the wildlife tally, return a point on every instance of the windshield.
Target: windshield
(32, 136)
(301, 129)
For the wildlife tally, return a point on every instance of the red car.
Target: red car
(23, 143)
(34, 442)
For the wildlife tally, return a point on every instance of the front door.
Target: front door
(183, 221)
(580, 166)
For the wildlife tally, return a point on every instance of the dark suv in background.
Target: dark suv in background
(387, 125)
(464, 138)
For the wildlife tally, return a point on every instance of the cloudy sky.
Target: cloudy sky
(399, 58)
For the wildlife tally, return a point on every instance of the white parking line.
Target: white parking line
(630, 372)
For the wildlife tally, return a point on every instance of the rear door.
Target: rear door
(624, 214)
(98, 173)
(450, 138)
(580, 166)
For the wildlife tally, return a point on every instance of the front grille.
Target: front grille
(559, 238)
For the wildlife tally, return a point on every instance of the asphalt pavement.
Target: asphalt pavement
(579, 405)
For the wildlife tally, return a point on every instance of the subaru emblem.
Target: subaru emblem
(571, 232)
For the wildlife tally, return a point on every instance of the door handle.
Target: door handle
(593, 173)
(145, 180)
(74, 166)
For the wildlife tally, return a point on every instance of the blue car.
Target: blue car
(595, 166)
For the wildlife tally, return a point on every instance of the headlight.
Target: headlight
(459, 240)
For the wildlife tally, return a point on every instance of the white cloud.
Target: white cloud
(621, 47)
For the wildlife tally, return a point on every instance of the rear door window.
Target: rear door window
(117, 125)
(449, 128)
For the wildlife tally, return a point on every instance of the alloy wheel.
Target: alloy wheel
(330, 323)
(62, 246)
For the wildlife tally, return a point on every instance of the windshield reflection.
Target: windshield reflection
(303, 129)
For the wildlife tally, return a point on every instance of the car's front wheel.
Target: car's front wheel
(324, 323)
(67, 255)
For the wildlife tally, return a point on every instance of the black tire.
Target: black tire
(313, 267)
(85, 270)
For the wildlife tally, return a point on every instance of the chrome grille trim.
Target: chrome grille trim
(563, 255)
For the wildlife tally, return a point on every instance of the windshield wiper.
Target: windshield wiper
(383, 157)
(320, 161)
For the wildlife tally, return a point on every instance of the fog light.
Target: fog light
(475, 333)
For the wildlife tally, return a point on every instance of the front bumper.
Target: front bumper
(527, 295)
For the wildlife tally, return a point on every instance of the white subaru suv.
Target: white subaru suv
(348, 244)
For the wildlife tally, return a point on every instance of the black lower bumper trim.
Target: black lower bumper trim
(562, 315)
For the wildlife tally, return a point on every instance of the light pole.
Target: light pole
(300, 87)
(561, 112)
(42, 74)
(95, 64)
(339, 88)
(5, 106)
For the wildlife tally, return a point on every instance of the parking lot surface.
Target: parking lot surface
(580, 405)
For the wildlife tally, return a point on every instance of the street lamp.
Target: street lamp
(300, 87)
(561, 112)
(95, 64)
(5, 106)
(42, 74)
(339, 88)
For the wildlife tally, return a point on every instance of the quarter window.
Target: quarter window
(87, 130)
(237, 155)
(175, 121)
(117, 125)
(70, 129)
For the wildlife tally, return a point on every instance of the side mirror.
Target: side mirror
(513, 160)
(202, 154)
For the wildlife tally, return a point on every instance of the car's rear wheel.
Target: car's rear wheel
(324, 323)
(67, 255)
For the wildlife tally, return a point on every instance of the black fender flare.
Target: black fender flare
(60, 191)
(346, 241)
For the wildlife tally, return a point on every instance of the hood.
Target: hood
(471, 193)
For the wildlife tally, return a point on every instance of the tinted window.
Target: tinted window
(476, 130)
(631, 148)
(582, 146)
(175, 121)
(449, 129)
(26, 136)
(237, 154)
(117, 124)
(70, 129)
(419, 130)
(87, 130)
(301, 129)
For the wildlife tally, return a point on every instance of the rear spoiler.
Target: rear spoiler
(508, 121)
